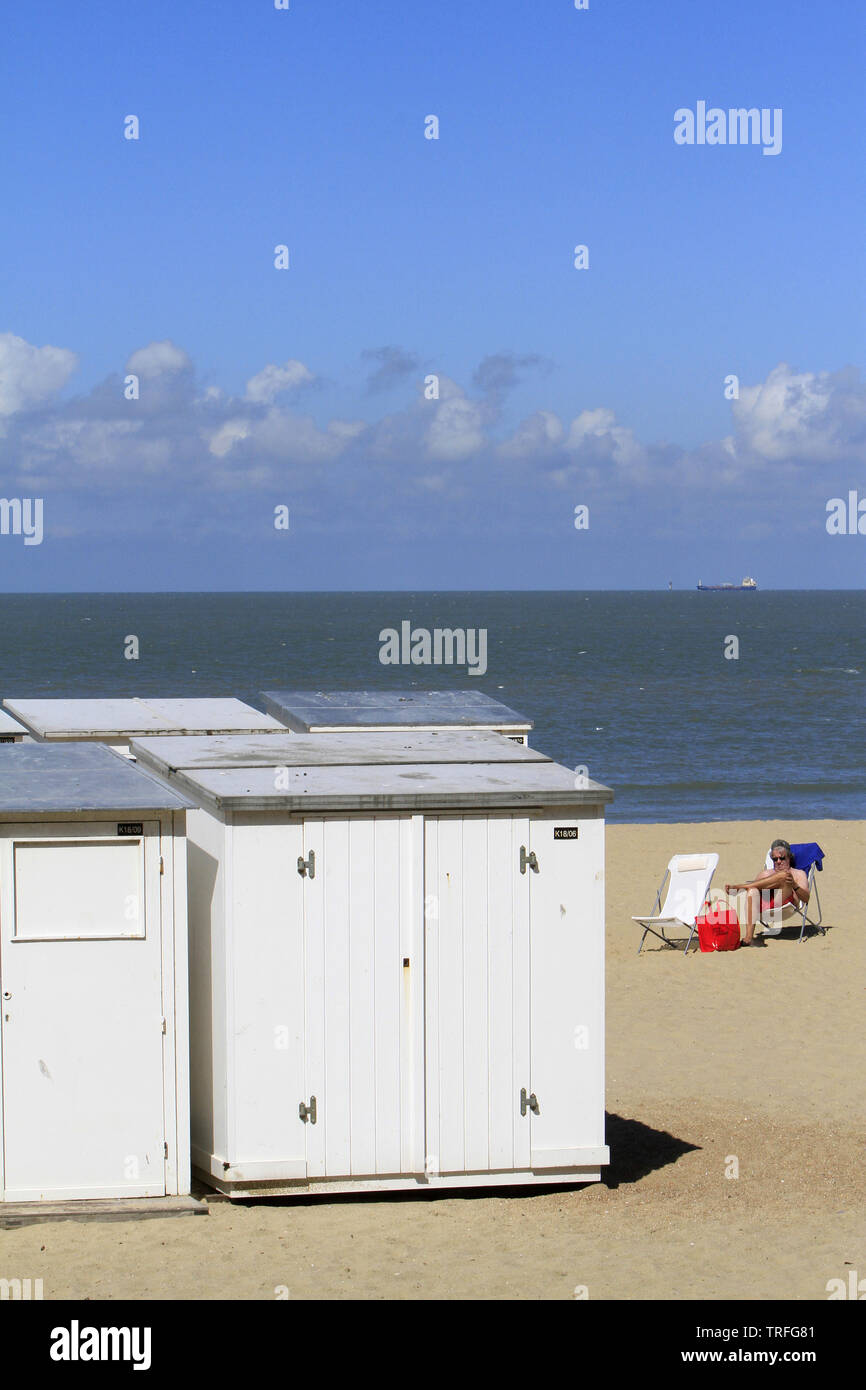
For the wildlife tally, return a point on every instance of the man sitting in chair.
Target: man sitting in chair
(775, 888)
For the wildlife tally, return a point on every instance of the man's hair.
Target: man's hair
(782, 844)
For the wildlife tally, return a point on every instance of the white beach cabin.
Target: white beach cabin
(396, 961)
(93, 975)
(116, 721)
(10, 729)
(385, 711)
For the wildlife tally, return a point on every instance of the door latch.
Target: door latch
(529, 859)
(528, 1103)
(307, 866)
(308, 1112)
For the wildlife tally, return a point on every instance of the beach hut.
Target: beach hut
(93, 975)
(115, 721)
(396, 961)
(10, 730)
(384, 711)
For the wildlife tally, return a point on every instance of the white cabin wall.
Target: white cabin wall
(206, 874)
(176, 996)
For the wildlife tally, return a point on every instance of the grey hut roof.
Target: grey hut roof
(306, 710)
(40, 777)
(358, 772)
(126, 717)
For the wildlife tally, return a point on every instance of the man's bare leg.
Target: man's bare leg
(753, 911)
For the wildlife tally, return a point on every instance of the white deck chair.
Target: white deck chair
(774, 919)
(689, 887)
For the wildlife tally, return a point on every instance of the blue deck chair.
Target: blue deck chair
(808, 857)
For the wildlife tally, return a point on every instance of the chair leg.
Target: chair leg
(704, 906)
(653, 913)
(807, 920)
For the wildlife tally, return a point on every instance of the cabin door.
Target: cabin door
(478, 994)
(361, 918)
(81, 1021)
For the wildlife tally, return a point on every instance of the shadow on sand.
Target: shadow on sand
(636, 1150)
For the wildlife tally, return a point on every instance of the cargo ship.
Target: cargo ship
(748, 584)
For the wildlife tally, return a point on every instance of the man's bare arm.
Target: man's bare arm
(779, 878)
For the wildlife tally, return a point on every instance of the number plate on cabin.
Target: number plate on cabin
(130, 827)
(565, 832)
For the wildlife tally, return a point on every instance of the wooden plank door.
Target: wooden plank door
(362, 927)
(478, 994)
(567, 910)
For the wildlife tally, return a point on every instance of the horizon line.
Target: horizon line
(115, 593)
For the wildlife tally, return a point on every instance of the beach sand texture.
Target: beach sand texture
(758, 1056)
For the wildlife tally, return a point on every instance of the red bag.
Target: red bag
(718, 928)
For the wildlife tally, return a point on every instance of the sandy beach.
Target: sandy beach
(749, 1061)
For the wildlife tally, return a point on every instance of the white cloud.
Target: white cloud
(534, 437)
(158, 359)
(346, 430)
(814, 417)
(273, 380)
(596, 434)
(291, 438)
(228, 434)
(455, 429)
(29, 375)
(434, 453)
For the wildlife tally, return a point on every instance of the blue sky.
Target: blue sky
(411, 257)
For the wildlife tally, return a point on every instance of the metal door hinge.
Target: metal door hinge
(528, 1103)
(161, 865)
(164, 1025)
(307, 866)
(308, 1112)
(165, 1149)
(529, 859)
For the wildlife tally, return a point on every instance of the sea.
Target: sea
(690, 706)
